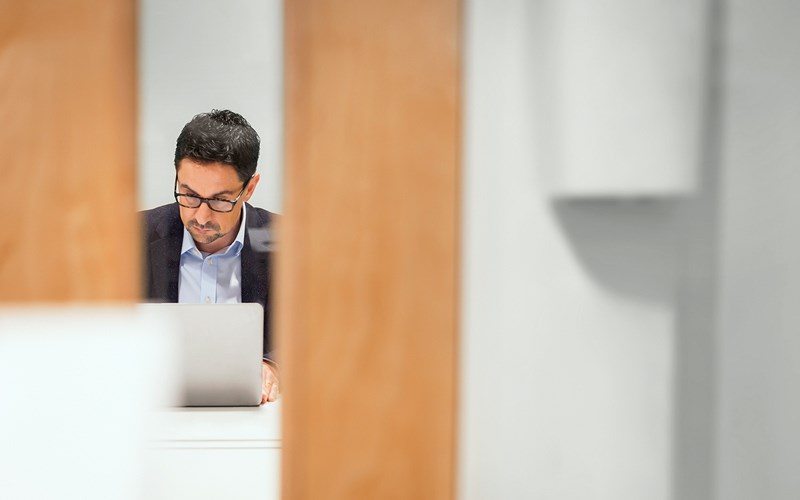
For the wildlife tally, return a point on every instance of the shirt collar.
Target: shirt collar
(234, 248)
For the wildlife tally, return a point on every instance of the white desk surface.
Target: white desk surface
(212, 453)
(249, 426)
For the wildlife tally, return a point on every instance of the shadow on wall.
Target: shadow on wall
(663, 252)
(626, 246)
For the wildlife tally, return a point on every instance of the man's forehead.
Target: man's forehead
(205, 165)
(216, 177)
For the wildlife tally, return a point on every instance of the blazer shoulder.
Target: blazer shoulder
(258, 217)
(161, 222)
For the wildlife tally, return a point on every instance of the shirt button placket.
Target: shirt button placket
(208, 286)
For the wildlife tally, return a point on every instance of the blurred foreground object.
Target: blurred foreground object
(67, 127)
(78, 388)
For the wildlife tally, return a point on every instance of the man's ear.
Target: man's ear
(251, 186)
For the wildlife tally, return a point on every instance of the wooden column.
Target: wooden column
(368, 263)
(67, 136)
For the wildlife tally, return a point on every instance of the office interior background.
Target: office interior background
(626, 214)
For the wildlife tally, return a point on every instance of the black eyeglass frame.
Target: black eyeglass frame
(208, 201)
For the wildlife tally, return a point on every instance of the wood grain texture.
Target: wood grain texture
(367, 271)
(67, 132)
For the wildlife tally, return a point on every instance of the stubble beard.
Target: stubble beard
(204, 237)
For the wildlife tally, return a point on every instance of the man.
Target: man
(204, 247)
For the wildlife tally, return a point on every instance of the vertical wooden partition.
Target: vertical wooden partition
(367, 275)
(67, 125)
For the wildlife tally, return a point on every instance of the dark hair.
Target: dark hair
(220, 136)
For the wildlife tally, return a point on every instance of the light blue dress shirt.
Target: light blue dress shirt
(214, 278)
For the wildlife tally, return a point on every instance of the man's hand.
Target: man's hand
(269, 382)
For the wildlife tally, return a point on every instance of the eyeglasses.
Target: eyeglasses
(215, 204)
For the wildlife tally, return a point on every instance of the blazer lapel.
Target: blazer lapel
(165, 262)
(255, 266)
(165, 258)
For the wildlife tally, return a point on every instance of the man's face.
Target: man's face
(212, 231)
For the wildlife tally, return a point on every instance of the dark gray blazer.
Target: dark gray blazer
(163, 232)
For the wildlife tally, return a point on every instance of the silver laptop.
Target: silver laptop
(220, 346)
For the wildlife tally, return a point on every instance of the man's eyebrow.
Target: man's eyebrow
(186, 187)
(215, 195)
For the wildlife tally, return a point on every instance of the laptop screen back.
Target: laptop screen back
(220, 346)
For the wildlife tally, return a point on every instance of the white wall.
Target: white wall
(196, 55)
(758, 443)
(633, 350)
(569, 308)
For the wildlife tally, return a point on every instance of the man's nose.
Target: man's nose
(203, 213)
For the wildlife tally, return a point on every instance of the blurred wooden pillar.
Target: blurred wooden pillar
(368, 267)
(67, 136)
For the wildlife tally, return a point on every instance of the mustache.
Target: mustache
(208, 225)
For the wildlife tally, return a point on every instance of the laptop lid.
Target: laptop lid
(220, 349)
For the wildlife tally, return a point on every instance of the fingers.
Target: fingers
(269, 385)
(269, 391)
(273, 393)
